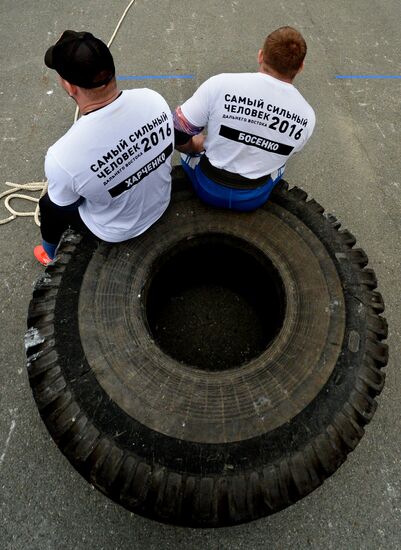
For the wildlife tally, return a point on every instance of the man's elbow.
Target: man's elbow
(185, 147)
(195, 144)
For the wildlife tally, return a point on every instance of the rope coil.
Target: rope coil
(11, 194)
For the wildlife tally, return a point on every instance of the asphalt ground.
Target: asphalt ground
(351, 166)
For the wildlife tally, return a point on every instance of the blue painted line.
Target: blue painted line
(154, 77)
(375, 76)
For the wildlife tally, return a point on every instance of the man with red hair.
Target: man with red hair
(255, 123)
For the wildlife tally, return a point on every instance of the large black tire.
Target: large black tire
(234, 434)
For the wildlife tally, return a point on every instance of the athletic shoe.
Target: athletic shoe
(41, 255)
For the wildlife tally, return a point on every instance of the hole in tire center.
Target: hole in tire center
(214, 302)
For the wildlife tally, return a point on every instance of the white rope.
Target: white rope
(41, 186)
(10, 194)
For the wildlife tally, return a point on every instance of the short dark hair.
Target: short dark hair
(284, 51)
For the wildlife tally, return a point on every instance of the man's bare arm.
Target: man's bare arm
(194, 145)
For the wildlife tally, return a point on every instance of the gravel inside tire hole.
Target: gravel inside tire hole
(214, 303)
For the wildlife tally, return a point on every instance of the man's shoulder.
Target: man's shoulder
(222, 80)
(58, 147)
(224, 77)
(305, 104)
(140, 92)
(143, 94)
(83, 129)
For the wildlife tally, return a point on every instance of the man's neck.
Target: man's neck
(87, 105)
(271, 72)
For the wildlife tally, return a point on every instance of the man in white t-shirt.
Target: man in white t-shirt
(110, 173)
(255, 123)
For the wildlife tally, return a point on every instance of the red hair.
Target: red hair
(284, 51)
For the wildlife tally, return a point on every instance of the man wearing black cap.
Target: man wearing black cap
(110, 173)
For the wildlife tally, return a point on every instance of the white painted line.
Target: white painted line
(12, 428)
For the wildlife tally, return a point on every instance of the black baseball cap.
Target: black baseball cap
(81, 59)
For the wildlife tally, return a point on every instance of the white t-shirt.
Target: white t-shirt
(254, 122)
(119, 159)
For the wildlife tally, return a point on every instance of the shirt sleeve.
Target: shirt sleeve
(183, 129)
(312, 123)
(197, 108)
(60, 183)
(309, 131)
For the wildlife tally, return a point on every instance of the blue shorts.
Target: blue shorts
(225, 197)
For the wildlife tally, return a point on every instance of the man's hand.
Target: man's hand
(194, 145)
